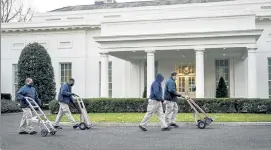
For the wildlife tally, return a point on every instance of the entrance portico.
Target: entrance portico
(197, 44)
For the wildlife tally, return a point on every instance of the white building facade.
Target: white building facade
(115, 50)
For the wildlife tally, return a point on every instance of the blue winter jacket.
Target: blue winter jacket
(156, 88)
(65, 94)
(27, 91)
(170, 91)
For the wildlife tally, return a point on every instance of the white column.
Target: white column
(150, 70)
(252, 73)
(199, 72)
(104, 75)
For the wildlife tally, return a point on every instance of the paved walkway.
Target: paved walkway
(109, 138)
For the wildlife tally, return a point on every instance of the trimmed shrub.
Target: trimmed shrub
(126, 105)
(6, 96)
(35, 62)
(221, 90)
(8, 106)
(144, 95)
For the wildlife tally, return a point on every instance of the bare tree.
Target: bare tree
(15, 10)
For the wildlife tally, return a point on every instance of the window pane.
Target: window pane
(269, 76)
(110, 93)
(226, 77)
(269, 62)
(216, 63)
(226, 62)
(221, 62)
(269, 69)
(110, 86)
(269, 83)
(217, 77)
(226, 70)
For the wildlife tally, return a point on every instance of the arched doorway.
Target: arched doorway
(186, 79)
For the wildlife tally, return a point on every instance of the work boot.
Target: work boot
(23, 132)
(75, 126)
(174, 125)
(142, 128)
(33, 132)
(166, 129)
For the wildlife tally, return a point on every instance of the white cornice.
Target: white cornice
(46, 26)
(263, 15)
(232, 33)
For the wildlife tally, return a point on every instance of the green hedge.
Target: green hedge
(8, 106)
(119, 105)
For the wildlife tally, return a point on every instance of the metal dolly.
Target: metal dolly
(84, 118)
(43, 122)
(203, 121)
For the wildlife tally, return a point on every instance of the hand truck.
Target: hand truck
(203, 121)
(84, 118)
(43, 122)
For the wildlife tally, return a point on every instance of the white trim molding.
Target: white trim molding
(170, 41)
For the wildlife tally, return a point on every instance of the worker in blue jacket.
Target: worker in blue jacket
(171, 97)
(65, 97)
(155, 105)
(27, 91)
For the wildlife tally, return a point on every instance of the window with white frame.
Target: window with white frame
(110, 78)
(222, 70)
(110, 89)
(269, 76)
(66, 72)
(15, 79)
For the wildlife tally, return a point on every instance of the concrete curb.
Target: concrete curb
(113, 124)
(117, 124)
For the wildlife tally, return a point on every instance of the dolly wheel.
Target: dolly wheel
(44, 132)
(53, 132)
(82, 126)
(201, 124)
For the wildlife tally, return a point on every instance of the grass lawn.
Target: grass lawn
(182, 117)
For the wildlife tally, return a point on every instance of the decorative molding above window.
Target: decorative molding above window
(18, 46)
(53, 19)
(44, 44)
(65, 45)
(112, 16)
(74, 18)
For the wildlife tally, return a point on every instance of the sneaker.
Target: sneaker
(142, 128)
(166, 129)
(57, 127)
(174, 125)
(75, 126)
(23, 132)
(33, 132)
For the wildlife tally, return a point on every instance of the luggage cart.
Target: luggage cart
(43, 122)
(84, 118)
(202, 122)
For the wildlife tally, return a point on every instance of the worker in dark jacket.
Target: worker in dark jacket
(155, 105)
(27, 91)
(171, 96)
(65, 98)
